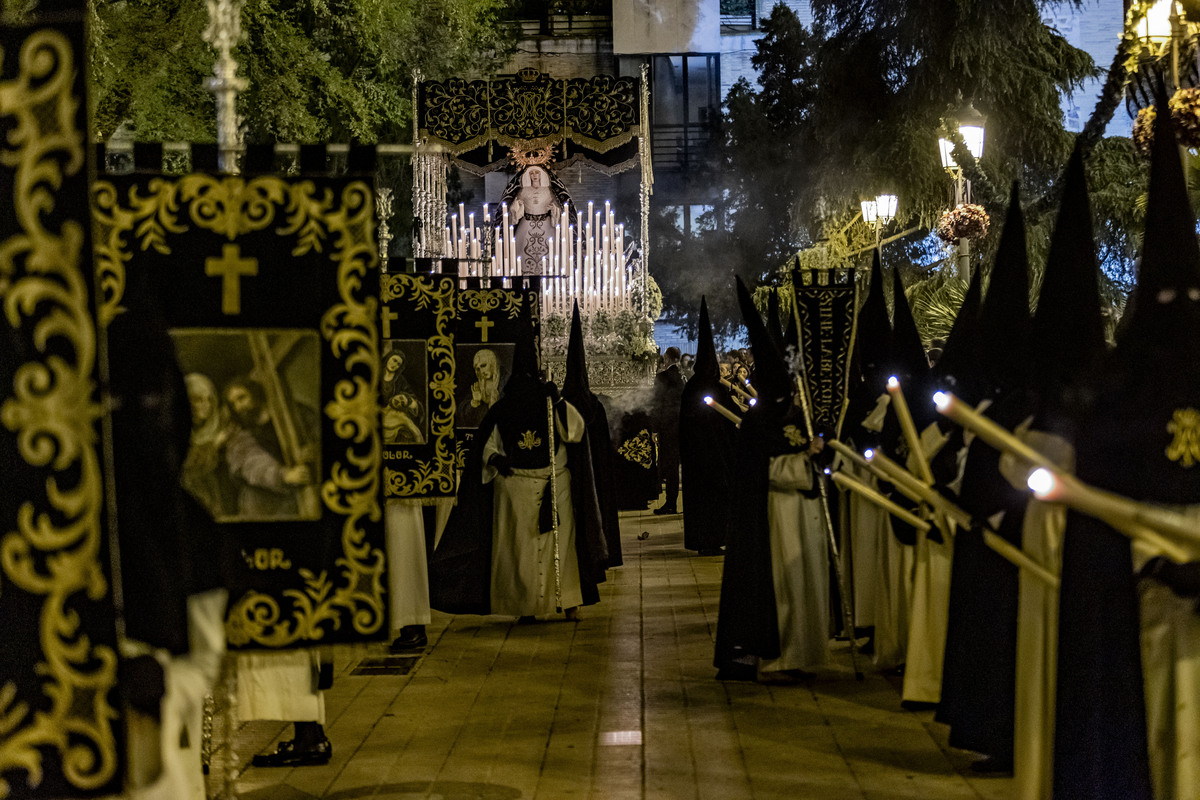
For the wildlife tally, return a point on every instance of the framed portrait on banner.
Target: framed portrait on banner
(417, 386)
(489, 323)
(267, 286)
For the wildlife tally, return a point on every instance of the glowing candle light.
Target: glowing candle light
(722, 410)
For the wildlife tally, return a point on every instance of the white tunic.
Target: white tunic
(1037, 633)
(279, 685)
(408, 572)
(799, 566)
(927, 624)
(523, 574)
(894, 568)
(1170, 641)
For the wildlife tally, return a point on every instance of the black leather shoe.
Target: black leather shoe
(410, 638)
(286, 755)
(738, 672)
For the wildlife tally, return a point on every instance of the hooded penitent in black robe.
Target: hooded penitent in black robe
(711, 507)
(460, 568)
(1133, 441)
(748, 623)
(577, 391)
(979, 670)
(908, 362)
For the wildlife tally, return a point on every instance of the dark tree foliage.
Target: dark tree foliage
(854, 107)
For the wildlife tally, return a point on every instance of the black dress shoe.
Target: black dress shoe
(738, 672)
(286, 755)
(410, 638)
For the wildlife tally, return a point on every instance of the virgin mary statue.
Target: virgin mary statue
(536, 198)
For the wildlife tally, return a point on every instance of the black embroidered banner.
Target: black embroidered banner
(268, 287)
(417, 386)
(529, 109)
(58, 662)
(827, 304)
(489, 324)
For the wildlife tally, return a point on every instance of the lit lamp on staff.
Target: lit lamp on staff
(970, 127)
(909, 429)
(733, 387)
(722, 410)
(1149, 524)
(987, 430)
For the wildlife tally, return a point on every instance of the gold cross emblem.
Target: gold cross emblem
(230, 267)
(484, 324)
(389, 316)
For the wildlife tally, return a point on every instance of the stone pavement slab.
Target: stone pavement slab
(622, 704)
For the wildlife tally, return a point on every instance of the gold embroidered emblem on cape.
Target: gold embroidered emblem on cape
(1185, 447)
(639, 449)
(529, 440)
(794, 435)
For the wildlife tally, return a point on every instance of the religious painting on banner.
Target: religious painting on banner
(827, 316)
(59, 721)
(417, 386)
(489, 323)
(267, 286)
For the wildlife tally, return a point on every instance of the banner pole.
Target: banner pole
(834, 554)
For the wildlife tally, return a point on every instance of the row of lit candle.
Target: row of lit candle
(585, 261)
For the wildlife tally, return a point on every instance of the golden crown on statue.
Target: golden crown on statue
(532, 156)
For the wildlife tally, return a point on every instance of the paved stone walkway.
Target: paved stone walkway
(622, 704)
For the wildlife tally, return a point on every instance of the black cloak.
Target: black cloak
(706, 450)
(577, 391)
(460, 568)
(1131, 442)
(748, 622)
(979, 671)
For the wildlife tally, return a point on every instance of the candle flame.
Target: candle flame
(941, 400)
(1041, 482)
(893, 382)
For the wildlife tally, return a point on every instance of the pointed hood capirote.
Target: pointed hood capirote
(576, 379)
(1004, 321)
(525, 355)
(874, 327)
(960, 355)
(907, 356)
(771, 378)
(1068, 328)
(1168, 285)
(706, 364)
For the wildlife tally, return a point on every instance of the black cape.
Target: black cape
(577, 391)
(635, 461)
(460, 568)
(711, 506)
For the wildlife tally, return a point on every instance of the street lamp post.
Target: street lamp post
(971, 129)
(879, 212)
